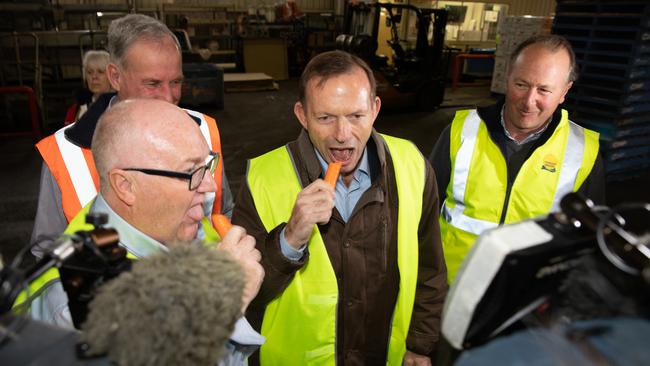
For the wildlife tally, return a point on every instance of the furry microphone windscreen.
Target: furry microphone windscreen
(175, 308)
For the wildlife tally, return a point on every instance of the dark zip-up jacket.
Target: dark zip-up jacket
(363, 254)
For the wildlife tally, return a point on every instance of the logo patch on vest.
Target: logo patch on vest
(550, 163)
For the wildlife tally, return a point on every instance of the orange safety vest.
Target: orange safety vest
(74, 169)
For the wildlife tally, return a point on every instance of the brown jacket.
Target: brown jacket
(363, 254)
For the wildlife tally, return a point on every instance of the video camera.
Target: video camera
(580, 263)
(85, 259)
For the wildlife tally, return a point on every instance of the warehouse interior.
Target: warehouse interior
(242, 60)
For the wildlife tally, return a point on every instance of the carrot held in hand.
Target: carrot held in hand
(332, 174)
(222, 224)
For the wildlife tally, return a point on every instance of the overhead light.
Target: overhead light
(100, 14)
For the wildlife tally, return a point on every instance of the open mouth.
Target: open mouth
(341, 155)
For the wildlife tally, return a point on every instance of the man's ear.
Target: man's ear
(113, 74)
(376, 108)
(299, 111)
(123, 185)
(568, 87)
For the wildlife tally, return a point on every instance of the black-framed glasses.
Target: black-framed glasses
(195, 177)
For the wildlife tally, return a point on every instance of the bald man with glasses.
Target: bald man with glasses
(153, 184)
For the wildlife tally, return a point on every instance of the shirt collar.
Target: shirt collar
(533, 136)
(361, 169)
(133, 240)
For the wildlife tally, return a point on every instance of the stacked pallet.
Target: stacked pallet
(511, 31)
(612, 95)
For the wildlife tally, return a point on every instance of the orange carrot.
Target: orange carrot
(332, 174)
(222, 224)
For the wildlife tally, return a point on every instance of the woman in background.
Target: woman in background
(94, 74)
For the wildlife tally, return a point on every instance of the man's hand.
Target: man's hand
(242, 249)
(413, 359)
(313, 206)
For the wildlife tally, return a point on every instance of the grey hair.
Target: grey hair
(125, 31)
(175, 308)
(95, 57)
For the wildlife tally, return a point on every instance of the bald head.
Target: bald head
(141, 133)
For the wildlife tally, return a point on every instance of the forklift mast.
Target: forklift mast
(363, 19)
(417, 74)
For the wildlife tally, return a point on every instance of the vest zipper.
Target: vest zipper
(505, 202)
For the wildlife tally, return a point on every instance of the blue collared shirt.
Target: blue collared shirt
(345, 200)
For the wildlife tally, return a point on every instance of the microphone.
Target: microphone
(172, 308)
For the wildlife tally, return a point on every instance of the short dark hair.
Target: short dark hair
(330, 64)
(552, 42)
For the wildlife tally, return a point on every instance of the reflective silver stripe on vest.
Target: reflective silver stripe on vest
(455, 215)
(77, 167)
(205, 131)
(571, 163)
(464, 156)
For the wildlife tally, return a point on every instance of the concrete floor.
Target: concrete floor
(250, 124)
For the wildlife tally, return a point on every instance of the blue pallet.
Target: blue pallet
(579, 113)
(628, 174)
(615, 85)
(621, 53)
(605, 107)
(615, 156)
(603, 100)
(614, 70)
(601, 6)
(628, 145)
(617, 21)
(628, 163)
(640, 96)
(610, 131)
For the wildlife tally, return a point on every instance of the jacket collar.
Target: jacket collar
(81, 133)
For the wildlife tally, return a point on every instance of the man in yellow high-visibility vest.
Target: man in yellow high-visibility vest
(355, 273)
(516, 159)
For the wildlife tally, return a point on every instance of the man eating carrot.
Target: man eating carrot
(355, 273)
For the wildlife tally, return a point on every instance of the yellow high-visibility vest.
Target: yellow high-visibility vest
(300, 324)
(478, 193)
